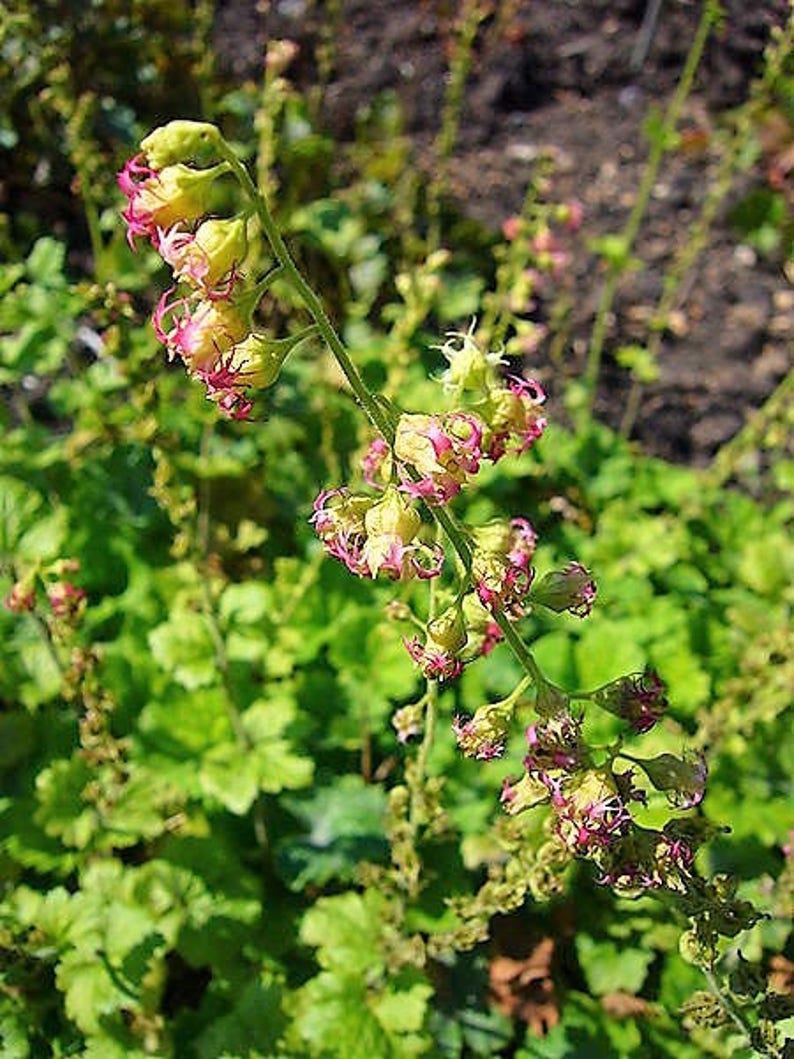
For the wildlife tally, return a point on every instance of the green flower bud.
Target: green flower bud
(570, 589)
(181, 141)
(448, 630)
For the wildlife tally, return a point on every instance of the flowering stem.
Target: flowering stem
(521, 651)
(375, 411)
(731, 1009)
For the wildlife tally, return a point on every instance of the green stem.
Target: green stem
(520, 650)
(659, 145)
(730, 1008)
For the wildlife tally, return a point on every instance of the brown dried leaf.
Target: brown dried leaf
(781, 975)
(524, 988)
(624, 1005)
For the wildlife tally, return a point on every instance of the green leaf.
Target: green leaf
(183, 647)
(338, 1017)
(18, 508)
(345, 827)
(404, 1010)
(610, 968)
(245, 604)
(45, 262)
(90, 992)
(347, 931)
(230, 773)
(63, 812)
(253, 1026)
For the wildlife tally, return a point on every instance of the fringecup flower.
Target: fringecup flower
(438, 454)
(338, 521)
(514, 417)
(571, 589)
(391, 526)
(638, 698)
(501, 565)
(591, 815)
(198, 330)
(160, 198)
(439, 656)
(373, 535)
(208, 259)
(484, 736)
(469, 367)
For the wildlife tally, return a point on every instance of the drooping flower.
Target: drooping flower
(571, 589)
(198, 330)
(524, 793)
(514, 417)
(501, 565)
(253, 363)
(161, 198)
(638, 698)
(407, 721)
(22, 596)
(373, 535)
(469, 367)
(484, 736)
(555, 745)
(391, 526)
(591, 816)
(439, 657)
(66, 600)
(338, 521)
(437, 454)
(209, 258)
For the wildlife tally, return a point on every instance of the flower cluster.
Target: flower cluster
(373, 535)
(431, 459)
(591, 804)
(49, 591)
(207, 325)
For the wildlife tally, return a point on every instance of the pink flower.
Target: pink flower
(476, 743)
(373, 535)
(21, 598)
(208, 258)
(639, 699)
(434, 662)
(437, 454)
(197, 330)
(160, 198)
(66, 599)
(501, 565)
(515, 417)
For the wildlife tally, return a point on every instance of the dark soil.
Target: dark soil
(564, 76)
